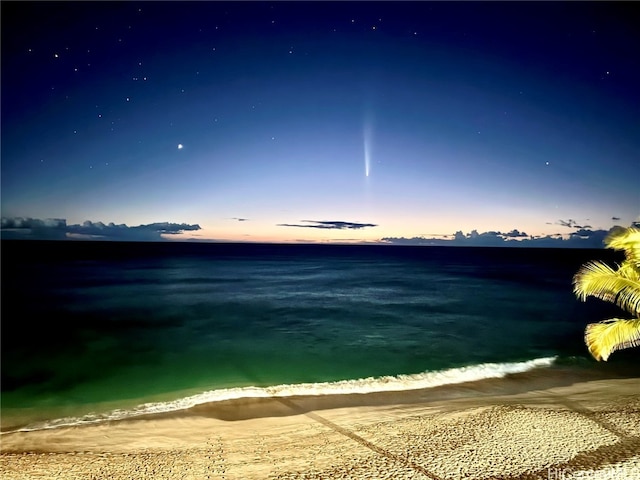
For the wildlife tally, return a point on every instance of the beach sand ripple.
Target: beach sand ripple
(584, 431)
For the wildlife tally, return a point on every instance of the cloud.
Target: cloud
(57, 229)
(333, 225)
(490, 238)
(572, 224)
(415, 241)
(515, 234)
(593, 236)
(567, 223)
(48, 229)
(583, 238)
(583, 232)
(240, 219)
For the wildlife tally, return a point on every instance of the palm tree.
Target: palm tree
(621, 286)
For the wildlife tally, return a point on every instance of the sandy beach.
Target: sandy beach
(575, 431)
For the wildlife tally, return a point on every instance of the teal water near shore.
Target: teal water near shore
(92, 328)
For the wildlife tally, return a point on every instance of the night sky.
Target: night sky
(328, 121)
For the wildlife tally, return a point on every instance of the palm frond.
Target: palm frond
(629, 270)
(604, 338)
(628, 240)
(601, 281)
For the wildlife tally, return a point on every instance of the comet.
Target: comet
(367, 148)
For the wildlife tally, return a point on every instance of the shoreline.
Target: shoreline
(498, 429)
(250, 401)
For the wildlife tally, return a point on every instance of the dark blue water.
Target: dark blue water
(89, 325)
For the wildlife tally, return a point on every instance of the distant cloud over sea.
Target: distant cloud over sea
(582, 238)
(57, 229)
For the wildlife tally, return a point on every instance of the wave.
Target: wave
(396, 383)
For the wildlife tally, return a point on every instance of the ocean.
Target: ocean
(100, 331)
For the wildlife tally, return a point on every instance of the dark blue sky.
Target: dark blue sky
(326, 121)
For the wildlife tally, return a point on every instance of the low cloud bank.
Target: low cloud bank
(582, 238)
(57, 229)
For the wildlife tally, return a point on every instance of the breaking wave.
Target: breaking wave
(396, 383)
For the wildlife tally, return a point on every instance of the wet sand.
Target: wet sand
(583, 430)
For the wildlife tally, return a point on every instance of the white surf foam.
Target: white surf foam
(360, 386)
